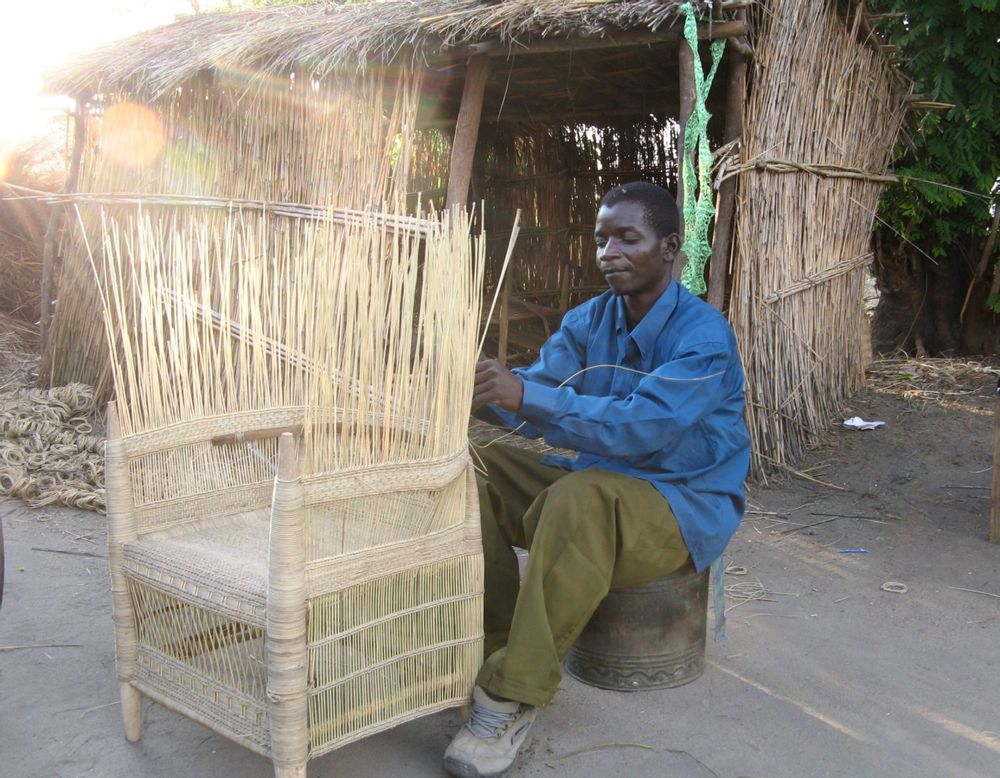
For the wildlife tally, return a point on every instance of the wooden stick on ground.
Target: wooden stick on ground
(995, 504)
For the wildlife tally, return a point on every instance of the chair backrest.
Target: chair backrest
(210, 467)
(225, 466)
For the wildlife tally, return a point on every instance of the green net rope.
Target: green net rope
(698, 208)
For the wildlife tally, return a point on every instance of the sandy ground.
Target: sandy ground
(828, 675)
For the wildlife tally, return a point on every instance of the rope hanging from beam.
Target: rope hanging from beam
(698, 209)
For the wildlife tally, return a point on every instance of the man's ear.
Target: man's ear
(671, 245)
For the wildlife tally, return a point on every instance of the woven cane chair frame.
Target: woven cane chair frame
(290, 614)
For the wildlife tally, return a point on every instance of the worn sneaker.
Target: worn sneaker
(488, 743)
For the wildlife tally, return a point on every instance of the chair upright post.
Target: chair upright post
(122, 528)
(287, 660)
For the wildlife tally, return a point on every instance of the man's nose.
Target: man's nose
(610, 249)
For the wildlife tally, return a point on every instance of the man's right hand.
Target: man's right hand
(496, 385)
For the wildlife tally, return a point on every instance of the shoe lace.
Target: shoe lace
(486, 723)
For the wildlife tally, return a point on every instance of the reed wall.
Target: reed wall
(824, 100)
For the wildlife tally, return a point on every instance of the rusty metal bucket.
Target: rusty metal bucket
(645, 637)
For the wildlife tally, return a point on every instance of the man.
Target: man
(645, 382)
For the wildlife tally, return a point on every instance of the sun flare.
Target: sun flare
(38, 36)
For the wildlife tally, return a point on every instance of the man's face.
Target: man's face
(633, 260)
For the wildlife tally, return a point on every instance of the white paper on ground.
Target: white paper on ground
(857, 423)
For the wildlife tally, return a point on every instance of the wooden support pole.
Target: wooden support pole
(54, 228)
(685, 67)
(722, 238)
(463, 149)
(995, 502)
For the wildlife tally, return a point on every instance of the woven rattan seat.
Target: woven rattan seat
(221, 562)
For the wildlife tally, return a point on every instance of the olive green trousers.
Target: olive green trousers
(586, 532)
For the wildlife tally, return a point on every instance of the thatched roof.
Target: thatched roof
(324, 35)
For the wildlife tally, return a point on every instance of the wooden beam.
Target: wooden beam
(610, 41)
(685, 67)
(742, 45)
(722, 238)
(463, 149)
(595, 114)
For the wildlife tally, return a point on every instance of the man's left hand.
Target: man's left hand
(497, 385)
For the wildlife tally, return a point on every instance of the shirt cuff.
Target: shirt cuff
(539, 402)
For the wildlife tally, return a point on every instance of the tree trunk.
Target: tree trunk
(920, 299)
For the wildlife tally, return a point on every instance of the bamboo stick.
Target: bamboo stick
(504, 332)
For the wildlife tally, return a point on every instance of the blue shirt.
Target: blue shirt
(663, 402)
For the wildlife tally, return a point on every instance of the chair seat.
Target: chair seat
(218, 563)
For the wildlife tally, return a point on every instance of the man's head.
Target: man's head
(637, 242)
(658, 203)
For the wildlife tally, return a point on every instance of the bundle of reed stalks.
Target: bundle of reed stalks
(18, 352)
(20, 276)
(295, 146)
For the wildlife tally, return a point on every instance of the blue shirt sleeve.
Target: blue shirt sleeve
(561, 356)
(494, 414)
(664, 404)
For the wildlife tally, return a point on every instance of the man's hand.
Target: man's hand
(497, 385)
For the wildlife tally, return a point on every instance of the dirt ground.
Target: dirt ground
(823, 673)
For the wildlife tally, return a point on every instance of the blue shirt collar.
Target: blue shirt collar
(648, 330)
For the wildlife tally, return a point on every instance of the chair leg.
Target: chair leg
(131, 711)
(287, 660)
(290, 772)
(122, 529)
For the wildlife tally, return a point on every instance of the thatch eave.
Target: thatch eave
(322, 36)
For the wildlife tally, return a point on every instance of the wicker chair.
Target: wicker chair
(292, 614)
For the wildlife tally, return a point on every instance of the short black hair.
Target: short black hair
(661, 210)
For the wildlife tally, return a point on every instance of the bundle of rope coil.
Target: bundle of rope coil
(48, 452)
